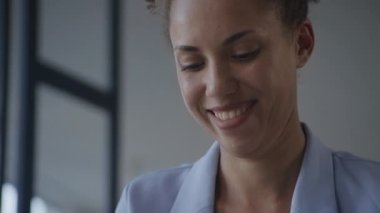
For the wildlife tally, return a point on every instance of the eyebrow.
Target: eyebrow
(186, 48)
(233, 38)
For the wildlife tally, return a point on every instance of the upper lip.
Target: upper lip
(231, 106)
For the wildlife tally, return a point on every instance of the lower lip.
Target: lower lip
(235, 122)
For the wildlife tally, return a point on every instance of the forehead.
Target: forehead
(219, 18)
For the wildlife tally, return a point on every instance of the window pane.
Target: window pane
(74, 37)
(9, 198)
(71, 156)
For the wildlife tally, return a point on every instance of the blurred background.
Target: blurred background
(104, 105)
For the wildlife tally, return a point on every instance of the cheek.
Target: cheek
(258, 76)
(273, 73)
(191, 91)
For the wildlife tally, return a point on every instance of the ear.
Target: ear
(304, 42)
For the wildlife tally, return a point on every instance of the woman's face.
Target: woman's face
(236, 68)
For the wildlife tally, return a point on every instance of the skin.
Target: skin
(238, 55)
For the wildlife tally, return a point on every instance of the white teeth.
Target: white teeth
(228, 115)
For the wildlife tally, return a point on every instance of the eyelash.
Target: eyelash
(240, 57)
(192, 67)
(246, 56)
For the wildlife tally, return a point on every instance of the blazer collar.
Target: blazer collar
(196, 194)
(315, 187)
(314, 191)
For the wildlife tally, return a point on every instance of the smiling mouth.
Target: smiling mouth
(230, 113)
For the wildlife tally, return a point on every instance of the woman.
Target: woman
(237, 65)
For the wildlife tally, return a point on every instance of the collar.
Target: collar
(315, 187)
(196, 194)
(314, 191)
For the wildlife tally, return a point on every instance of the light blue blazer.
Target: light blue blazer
(329, 182)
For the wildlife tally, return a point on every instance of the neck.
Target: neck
(272, 178)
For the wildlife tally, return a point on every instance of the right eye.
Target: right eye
(192, 67)
(246, 56)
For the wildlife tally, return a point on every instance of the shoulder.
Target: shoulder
(160, 191)
(153, 192)
(357, 180)
(168, 180)
(350, 164)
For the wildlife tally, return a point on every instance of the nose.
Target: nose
(220, 81)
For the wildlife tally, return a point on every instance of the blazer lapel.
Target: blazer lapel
(196, 194)
(315, 187)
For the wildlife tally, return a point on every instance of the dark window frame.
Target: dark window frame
(4, 78)
(35, 72)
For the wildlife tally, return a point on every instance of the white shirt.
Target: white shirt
(328, 182)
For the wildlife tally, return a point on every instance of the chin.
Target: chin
(242, 145)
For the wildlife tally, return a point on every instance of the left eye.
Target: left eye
(246, 55)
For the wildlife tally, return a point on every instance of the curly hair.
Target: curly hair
(291, 12)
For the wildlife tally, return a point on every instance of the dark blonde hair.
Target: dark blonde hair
(291, 12)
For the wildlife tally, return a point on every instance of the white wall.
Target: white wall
(338, 89)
